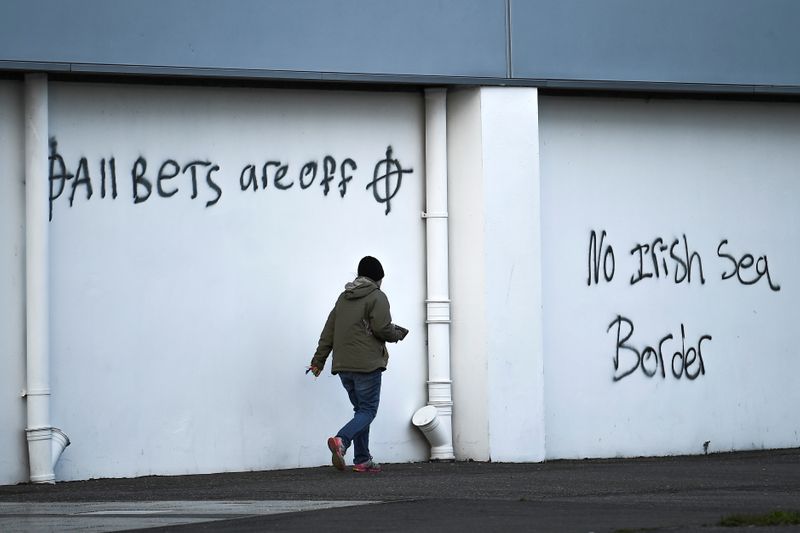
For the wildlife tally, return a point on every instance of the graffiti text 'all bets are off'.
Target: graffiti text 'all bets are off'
(201, 177)
(669, 261)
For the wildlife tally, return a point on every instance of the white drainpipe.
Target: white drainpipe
(435, 420)
(45, 443)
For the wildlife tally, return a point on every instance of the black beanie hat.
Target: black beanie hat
(370, 268)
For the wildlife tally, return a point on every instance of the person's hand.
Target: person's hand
(401, 332)
(314, 370)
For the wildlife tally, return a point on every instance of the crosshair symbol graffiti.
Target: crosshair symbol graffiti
(391, 167)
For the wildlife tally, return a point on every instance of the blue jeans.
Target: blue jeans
(364, 390)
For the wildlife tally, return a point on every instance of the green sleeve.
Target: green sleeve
(325, 344)
(380, 320)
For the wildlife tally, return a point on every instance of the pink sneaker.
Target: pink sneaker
(369, 467)
(337, 452)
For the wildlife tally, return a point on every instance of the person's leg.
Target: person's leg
(365, 393)
(338, 445)
(349, 384)
(361, 447)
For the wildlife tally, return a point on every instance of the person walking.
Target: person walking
(356, 331)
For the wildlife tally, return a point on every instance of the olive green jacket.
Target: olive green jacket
(357, 330)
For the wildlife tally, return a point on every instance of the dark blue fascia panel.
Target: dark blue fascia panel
(712, 42)
(739, 46)
(308, 37)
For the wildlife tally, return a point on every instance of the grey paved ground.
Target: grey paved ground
(664, 494)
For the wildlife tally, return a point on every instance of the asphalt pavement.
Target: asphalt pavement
(689, 493)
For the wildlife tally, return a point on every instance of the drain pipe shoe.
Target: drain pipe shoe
(45, 446)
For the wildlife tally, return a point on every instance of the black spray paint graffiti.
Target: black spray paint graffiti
(392, 167)
(655, 260)
(682, 264)
(168, 170)
(685, 362)
(308, 173)
(601, 255)
(744, 264)
(204, 177)
(653, 263)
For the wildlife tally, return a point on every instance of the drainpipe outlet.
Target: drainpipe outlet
(429, 421)
(58, 443)
(45, 446)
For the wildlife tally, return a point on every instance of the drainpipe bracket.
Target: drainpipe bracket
(36, 392)
(440, 394)
(438, 311)
(38, 433)
(434, 215)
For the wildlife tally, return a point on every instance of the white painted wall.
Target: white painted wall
(513, 274)
(642, 169)
(181, 331)
(469, 342)
(496, 277)
(13, 454)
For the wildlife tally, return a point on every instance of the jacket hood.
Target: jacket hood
(359, 287)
